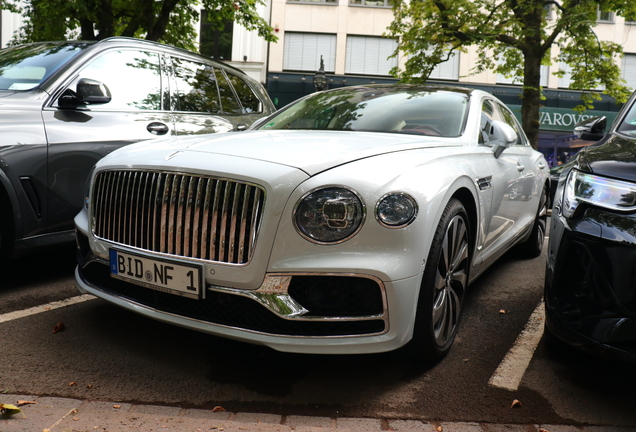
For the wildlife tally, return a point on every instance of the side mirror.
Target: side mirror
(502, 136)
(592, 129)
(93, 92)
(88, 92)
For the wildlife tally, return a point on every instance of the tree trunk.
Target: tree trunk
(105, 24)
(86, 25)
(161, 23)
(531, 101)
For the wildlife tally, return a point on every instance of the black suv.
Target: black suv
(64, 105)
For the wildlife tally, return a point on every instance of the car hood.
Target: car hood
(615, 158)
(309, 151)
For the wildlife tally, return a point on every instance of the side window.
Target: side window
(487, 117)
(133, 78)
(229, 104)
(251, 103)
(196, 87)
(510, 119)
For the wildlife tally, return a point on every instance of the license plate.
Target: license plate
(167, 276)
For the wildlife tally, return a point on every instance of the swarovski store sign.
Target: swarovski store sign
(563, 119)
(557, 141)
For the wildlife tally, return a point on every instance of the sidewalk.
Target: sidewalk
(49, 414)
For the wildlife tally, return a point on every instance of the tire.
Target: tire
(443, 286)
(533, 247)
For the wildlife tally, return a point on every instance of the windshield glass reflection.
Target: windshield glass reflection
(407, 110)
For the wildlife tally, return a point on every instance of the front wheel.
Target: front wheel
(443, 285)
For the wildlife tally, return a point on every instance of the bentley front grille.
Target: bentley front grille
(178, 214)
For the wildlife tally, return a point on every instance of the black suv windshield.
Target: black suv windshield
(628, 125)
(24, 67)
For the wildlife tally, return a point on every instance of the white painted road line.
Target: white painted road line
(509, 373)
(45, 307)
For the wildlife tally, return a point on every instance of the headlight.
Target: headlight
(599, 191)
(396, 210)
(329, 215)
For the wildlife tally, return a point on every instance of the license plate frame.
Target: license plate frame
(165, 275)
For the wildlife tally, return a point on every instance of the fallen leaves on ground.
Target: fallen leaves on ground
(515, 403)
(24, 402)
(7, 410)
(58, 327)
(218, 408)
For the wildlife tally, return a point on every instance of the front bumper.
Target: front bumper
(317, 313)
(590, 290)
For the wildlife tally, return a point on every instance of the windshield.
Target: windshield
(24, 67)
(628, 125)
(402, 109)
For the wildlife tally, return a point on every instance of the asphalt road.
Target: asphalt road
(106, 353)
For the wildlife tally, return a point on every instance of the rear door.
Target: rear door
(79, 137)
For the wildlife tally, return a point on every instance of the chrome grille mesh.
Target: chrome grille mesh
(190, 216)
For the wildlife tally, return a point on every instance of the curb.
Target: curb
(51, 414)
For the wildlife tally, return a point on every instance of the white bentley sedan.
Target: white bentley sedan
(351, 221)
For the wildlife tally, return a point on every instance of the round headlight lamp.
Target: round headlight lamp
(396, 210)
(329, 215)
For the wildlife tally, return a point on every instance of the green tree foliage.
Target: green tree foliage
(167, 21)
(514, 38)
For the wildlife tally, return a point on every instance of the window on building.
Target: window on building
(302, 51)
(629, 70)
(368, 55)
(604, 16)
(373, 3)
(545, 73)
(549, 12)
(448, 70)
(314, 1)
(565, 80)
(213, 42)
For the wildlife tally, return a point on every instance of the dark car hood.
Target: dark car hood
(615, 158)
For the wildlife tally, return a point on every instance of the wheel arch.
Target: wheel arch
(466, 197)
(9, 214)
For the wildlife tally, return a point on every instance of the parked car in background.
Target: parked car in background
(351, 221)
(590, 285)
(64, 105)
(591, 130)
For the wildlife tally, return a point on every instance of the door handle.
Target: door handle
(157, 128)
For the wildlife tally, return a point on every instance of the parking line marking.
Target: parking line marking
(45, 307)
(510, 371)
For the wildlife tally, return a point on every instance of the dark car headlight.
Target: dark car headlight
(329, 215)
(599, 191)
(396, 210)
